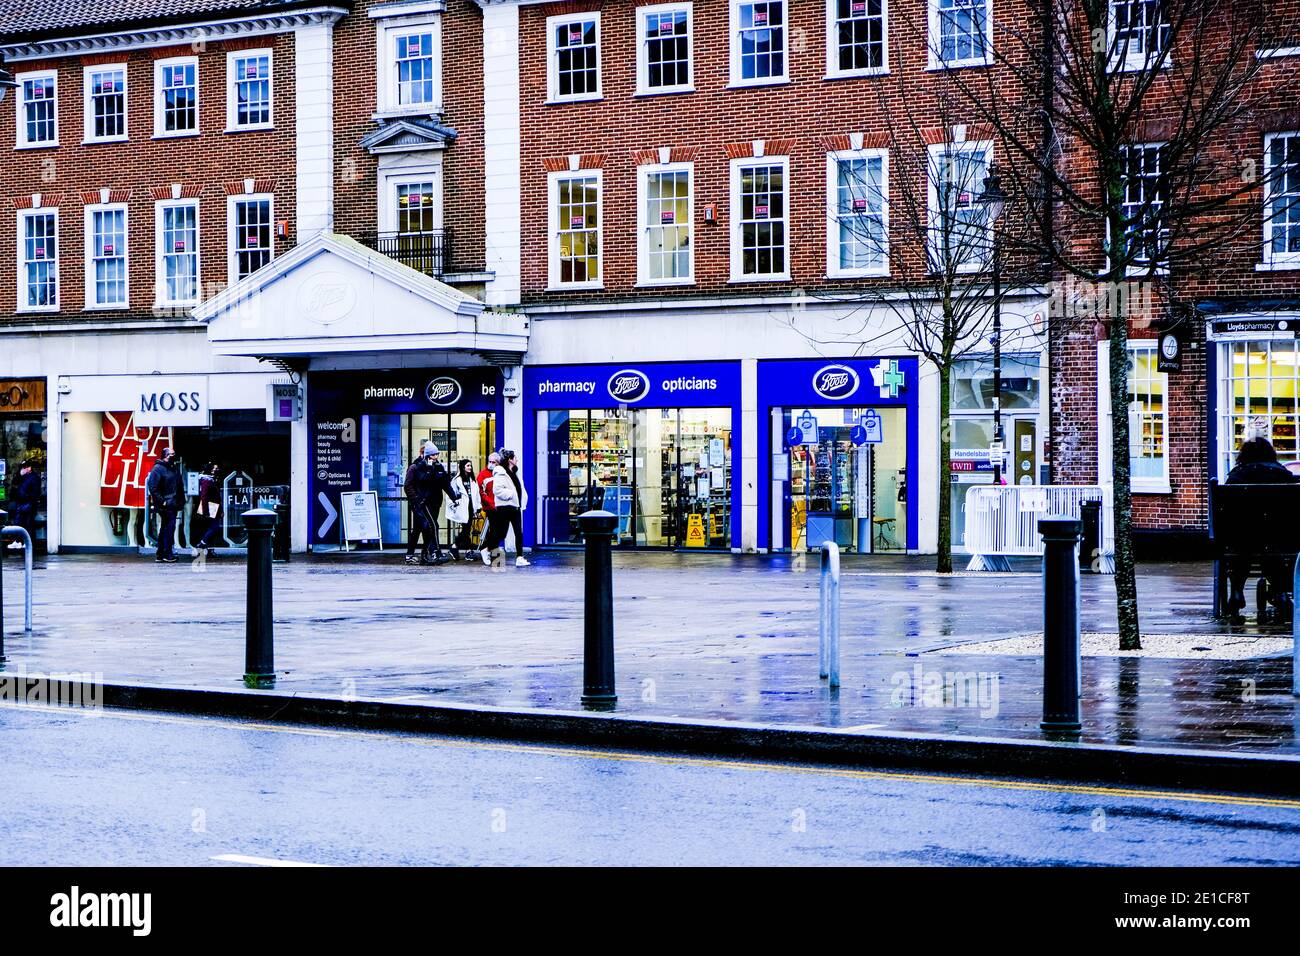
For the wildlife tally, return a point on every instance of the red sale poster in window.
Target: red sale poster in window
(127, 454)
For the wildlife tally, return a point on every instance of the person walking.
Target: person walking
(166, 498)
(26, 496)
(1257, 464)
(510, 499)
(484, 482)
(440, 490)
(418, 485)
(209, 508)
(461, 508)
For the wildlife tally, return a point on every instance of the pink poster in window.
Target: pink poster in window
(760, 18)
(251, 71)
(859, 8)
(859, 205)
(575, 35)
(576, 222)
(180, 245)
(108, 248)
(667, 216)
(178, 77)
(252, 239)
(127, 454)
(760, 212)
(665, 26)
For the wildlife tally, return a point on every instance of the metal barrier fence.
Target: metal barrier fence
(1002, 521)
(828, 634)
(21, 532)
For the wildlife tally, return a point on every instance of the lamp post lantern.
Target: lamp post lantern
(994, 201)
(7, 82)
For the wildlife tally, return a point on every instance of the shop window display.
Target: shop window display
(666, 473)
(842, 487)
(106, 461)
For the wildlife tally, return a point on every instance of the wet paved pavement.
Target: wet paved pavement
(75, 796)
(706, 637)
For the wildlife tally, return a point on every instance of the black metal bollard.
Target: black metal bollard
(259, 625)
(4, 520)
(598, 620)
(1060, 623)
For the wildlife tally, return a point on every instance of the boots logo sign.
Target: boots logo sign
(628, 385)
(443, 392)
(835, 382)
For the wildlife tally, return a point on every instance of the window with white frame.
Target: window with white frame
(250, 241)
(409, 61)
(960, 234)
(575, 228)
(106, 269)
(758, 40)
(178, 252)
(961, 32)
(1139, 31)
(38, 260)
(574, 56)
(38, 109)
(664, 49)
(414, 61)
(857, 184)
(666, 220)
(105, 103)
(176, 97)
(1147, 418)
(857, 36)
(1282, 199)
(760, 219)
(248, 90)
(1143, 206)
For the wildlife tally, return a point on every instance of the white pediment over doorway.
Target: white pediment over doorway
(332, 295)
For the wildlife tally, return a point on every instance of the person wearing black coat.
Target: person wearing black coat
(26, 496)
(166, 497)
(1257, 464)
(427, 483)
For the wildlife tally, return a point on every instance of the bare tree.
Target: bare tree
(1129, 166)
(913, 217)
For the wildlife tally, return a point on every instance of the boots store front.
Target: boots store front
(840, 461)
(114, 427)
(366, 427)
(654, 443)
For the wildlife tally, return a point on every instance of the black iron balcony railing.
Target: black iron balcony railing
(427, 252)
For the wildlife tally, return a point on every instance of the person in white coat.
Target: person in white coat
(460, 511)
(510, 499)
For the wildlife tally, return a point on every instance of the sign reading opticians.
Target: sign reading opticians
(171, 400)
(652, 385)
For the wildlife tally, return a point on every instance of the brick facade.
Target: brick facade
(716, 123)
(143, 168)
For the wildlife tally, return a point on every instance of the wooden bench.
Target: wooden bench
(1255, 523)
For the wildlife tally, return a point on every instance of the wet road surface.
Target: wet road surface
(123, 788)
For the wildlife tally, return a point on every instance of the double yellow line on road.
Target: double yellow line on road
(1182, 796)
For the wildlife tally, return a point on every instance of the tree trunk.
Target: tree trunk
(1126, 606)
(944, 563)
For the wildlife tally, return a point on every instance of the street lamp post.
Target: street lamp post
(994, 201)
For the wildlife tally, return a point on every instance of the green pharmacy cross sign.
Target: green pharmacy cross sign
(888, 378)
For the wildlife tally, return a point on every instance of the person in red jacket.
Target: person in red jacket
(484, 479)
